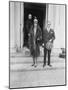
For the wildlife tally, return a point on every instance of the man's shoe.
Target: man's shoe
(49, 65)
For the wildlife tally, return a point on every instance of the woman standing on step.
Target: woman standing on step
(35, 37)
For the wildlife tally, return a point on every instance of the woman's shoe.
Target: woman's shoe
(33, 64)
(44, 65)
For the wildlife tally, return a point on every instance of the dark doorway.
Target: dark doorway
(36, 9)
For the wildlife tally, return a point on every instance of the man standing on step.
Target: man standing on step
(48, 38)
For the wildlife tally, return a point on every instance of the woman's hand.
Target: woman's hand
(50, 40)
(43, 44)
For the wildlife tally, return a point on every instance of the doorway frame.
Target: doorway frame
(44, 22)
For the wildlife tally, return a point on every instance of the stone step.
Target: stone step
(25, 63)
(26, 67)
(29, 59)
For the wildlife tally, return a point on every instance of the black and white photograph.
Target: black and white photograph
(37, 44)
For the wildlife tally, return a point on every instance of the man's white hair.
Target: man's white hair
(49, 23)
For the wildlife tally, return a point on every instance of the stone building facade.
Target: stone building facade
(54, 13)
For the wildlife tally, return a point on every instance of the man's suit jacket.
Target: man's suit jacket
(48, 36)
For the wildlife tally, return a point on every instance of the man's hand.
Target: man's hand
(43, 44)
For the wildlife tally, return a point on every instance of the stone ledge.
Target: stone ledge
(26, 52)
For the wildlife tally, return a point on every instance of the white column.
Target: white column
(22, 22)
(56, 14)
(60, 27)
(51, 15)
(12, 31)
(46, 18)
(17, 23)
(57, 27)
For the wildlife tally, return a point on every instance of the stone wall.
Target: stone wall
(56, 14)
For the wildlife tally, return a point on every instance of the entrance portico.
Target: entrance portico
(51, 13)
